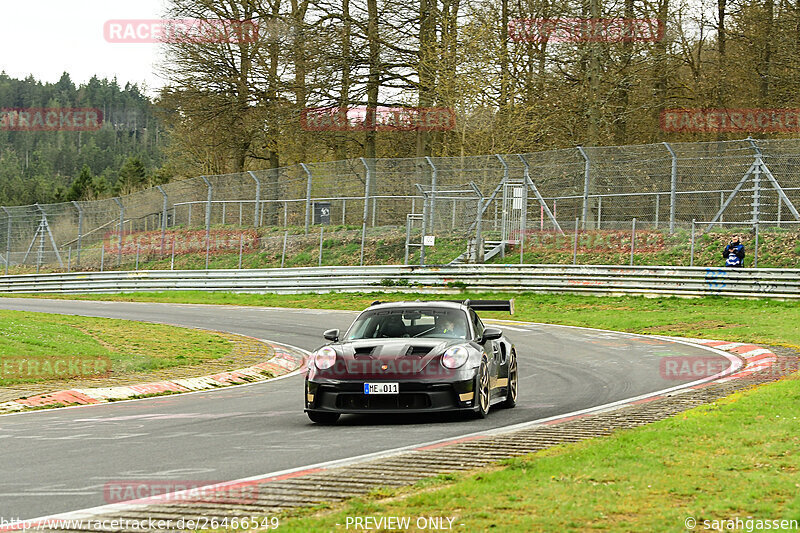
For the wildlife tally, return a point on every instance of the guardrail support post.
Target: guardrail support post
(633, 238)
(691, 252)
(586, 175)
(367, 183)
(308, 194)
(121, 228)
(8, 238)
(80, 232)
(673, 187)
(321, 230)
(164, 208)
(258, 197)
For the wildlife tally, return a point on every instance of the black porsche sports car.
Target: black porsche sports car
(422, 356)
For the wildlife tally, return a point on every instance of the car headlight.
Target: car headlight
(455, 357)
(325, 357)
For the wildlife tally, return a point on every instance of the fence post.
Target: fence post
(80, 232)
(367, 183)
(479, 234)
(69, 260)
(137, 257)
(599, 210)
(8, 238)
(658, 202)
(102, 255)
(575, 244)
(164, 208)
(172, 257)
(241, 249)
(633, 238)
(673, 187)
(425, 214)
(585, 212)
(434, 183)
(308, 195)
(321, 230)
(208, 217)
(283, 254)
(755, 254)
(691, 253)
(121, 229)
(258, 197)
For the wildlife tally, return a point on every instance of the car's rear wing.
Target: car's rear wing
(478, 305)
(489, 305)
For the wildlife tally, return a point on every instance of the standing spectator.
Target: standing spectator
(734, 253)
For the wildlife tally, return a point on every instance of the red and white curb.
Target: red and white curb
(756, 358)
(283, 362)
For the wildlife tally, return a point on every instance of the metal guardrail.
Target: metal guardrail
(609, 280)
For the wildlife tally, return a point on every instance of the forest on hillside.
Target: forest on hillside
(491, 70)
(43, 166)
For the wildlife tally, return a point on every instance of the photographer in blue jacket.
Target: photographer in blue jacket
(734, 253)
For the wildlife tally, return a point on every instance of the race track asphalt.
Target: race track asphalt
(61, 460)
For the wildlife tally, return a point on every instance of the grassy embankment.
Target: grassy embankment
(131, 347)
(263, 248)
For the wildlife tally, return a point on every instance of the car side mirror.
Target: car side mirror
(491, 334)
(331, 335)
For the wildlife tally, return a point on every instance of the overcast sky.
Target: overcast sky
(48, 37)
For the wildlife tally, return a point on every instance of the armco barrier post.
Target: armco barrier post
(673, 188)
(69, 260)
(137, 257)
(308, 195)
(172, 257)
(8, 239)
(633, 238)
(691, 252)
(241, 249)
(257, 200)
(80, 232)
(367, 185)
(102, 255)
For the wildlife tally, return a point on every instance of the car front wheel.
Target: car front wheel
(482, 390)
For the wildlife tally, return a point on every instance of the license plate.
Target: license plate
(381, 388)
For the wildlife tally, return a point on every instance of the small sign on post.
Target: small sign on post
(322, 213)
(429, 240)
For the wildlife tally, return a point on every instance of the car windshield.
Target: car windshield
(423, 322)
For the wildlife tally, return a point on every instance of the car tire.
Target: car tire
(323, 418)
(482, 390)
(513, 382)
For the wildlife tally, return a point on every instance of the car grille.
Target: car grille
(407, 400)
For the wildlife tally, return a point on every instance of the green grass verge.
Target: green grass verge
(132, 347)
(734, 458)
(761, 321)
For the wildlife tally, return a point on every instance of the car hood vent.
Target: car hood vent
(363, 351)
(418, 350)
